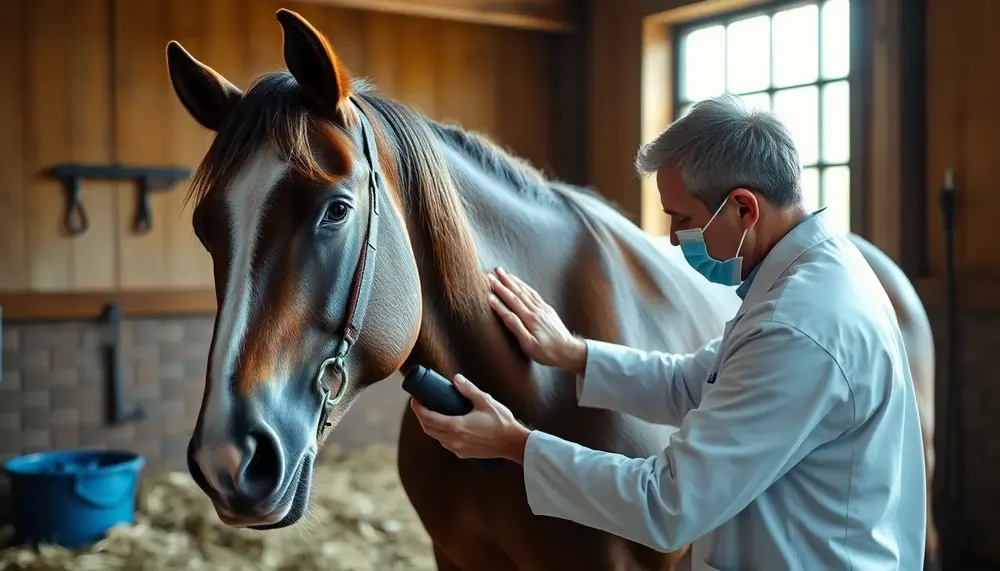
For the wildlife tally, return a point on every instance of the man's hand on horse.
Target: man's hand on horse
(543, 336)
(488, 431)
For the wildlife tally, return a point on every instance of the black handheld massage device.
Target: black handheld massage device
(440, 395)
(435, 392)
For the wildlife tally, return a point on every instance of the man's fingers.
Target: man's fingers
(478, 397)
(429, 419)
(511, 299)
(513, 284)
(512, 321)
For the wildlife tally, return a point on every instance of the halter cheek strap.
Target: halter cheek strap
(361, 288)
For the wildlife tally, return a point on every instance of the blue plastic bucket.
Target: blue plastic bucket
(72, 498)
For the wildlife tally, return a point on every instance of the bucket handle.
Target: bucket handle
(83, 488)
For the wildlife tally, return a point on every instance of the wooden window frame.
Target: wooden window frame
(662, 30)
(769, 9)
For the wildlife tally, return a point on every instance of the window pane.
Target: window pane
(810, 189)
(836, 39)
(760, 101)
(796, 45)
(836, 123)
(837, 197)
(704, 64)
(748, 59)
(798, 109)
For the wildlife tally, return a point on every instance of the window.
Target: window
(790, 58)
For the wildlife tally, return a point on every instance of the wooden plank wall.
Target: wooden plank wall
(963, 132)
(72, 90)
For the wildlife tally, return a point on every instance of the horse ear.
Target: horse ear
(206, 95)
(323, 78)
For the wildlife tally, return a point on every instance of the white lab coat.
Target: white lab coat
(799, 444)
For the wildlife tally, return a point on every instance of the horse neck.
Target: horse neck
(522, 234)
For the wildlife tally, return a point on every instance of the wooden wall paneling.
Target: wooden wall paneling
(417, 81)
(946, 74)
(467, 75)
(144, 133)
(13, 91)
(526, 90)
(48, 140)
(190, 22)
(347, 30)
(539, 15)
(979, 197)
(570, 99)
(93, 254)
(912, 136)
(883, 185)
(614, 105)
(382, 65)
(263, 36)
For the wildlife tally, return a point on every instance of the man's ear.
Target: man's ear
(207, 96)
(748, 205)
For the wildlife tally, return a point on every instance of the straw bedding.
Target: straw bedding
(360, 520)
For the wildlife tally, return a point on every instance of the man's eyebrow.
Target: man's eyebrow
(670, 212)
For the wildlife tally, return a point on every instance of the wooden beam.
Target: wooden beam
(32, 306)
(544, 15)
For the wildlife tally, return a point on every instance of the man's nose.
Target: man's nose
(245, 473)
(673, 239)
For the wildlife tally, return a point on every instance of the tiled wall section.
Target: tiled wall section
(54, 384)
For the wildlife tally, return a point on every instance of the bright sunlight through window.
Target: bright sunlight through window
(794, 61)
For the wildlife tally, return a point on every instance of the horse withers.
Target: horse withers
(349, 236)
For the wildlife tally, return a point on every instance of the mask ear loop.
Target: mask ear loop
(744, 237)
(740, 247)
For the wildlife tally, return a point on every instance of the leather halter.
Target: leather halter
(361, 288)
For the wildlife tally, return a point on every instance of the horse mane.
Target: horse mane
(273, 111)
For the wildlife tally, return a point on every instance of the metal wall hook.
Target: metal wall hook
(118, 413)
(148, 180)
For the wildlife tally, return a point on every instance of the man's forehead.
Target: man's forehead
(674, 196)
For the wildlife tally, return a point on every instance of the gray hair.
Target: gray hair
(720, 145)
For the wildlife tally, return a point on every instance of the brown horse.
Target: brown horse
(349, 236)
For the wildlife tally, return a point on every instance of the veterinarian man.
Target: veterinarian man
(799, 444)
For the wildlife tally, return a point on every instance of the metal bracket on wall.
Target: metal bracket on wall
(118, 412)
(149, 179)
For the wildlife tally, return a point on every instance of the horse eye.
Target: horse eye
(336, 212)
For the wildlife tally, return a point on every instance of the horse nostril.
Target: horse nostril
(262, 469)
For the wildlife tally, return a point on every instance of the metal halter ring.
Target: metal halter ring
(339, 363)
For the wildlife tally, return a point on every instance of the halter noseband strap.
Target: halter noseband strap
(361, 288)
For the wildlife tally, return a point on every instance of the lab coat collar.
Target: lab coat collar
(811, 231)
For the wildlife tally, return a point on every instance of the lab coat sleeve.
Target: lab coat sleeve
(770, 405)
(654, 386)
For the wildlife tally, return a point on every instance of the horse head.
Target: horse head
(294, 198)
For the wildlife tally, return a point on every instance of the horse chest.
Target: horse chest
(480, 520)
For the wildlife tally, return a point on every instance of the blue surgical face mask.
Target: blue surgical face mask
(692, 242)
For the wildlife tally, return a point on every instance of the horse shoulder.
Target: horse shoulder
(918, 338)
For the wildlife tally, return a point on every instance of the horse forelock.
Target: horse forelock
(272, 112)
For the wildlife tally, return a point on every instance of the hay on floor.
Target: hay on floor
(360, 520)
